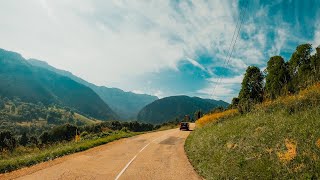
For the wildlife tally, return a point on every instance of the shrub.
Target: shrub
(84, 134)
(65, 132)
(44, 137)
(7, 141)
(216, 117)
(307, 98)
(125, 129)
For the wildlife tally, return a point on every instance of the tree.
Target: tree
(34, 140)
(300, 67)
(44, 137)
(251, 89)
(277, 77)
(234, 103)
(217, 109)
(2, 105)
(13, 109)
(315, 65)
(197, 115)
(7, 141)
(24, 139)
(65, 132)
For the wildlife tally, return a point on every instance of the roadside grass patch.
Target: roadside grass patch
(215, 117)
(24, 157)
(258, 145)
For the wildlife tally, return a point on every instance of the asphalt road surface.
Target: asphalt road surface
(156, 155)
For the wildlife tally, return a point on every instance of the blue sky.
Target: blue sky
(167, 47)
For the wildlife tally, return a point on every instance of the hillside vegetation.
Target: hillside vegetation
(19, 79)
(270, 131)
(125, 104)
(24, 146)
(176, 107)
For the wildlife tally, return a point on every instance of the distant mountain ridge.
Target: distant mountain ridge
(18, 78)
(169, 108)
(125, 104)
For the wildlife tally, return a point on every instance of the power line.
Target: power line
(230, 51)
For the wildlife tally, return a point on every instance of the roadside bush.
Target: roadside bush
(7, 141)
(125, 129)
(44, 137)
(84, 134)
(34, 140)
(24, 139)
(60, 133)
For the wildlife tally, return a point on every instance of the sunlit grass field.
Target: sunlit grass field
(279, 139)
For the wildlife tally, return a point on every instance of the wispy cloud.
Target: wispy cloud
(121, 42)
(222, 88)
(196, 63)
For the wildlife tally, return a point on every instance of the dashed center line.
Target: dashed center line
(128, 164)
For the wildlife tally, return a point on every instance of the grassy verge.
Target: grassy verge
(259, 145)
(167, 127)
(16, 160)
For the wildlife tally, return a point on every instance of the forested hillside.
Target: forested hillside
(19, 79)
(170, 108)
(125, 104)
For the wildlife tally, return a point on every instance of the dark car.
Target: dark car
(184, 125)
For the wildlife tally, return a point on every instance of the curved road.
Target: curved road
(156, 155)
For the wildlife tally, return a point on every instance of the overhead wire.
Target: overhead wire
(233, 41)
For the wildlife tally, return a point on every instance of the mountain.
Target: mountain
(169, 108)
(125, 104)
(33, 84)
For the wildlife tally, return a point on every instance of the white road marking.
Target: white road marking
(128, 164)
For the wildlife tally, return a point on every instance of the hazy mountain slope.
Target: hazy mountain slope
(125, 104)
(169, 108)
(20, 79)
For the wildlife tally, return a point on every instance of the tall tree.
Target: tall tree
(24, 139)
(300, 68)
(252, 88)
(277, 77)
(315, 65)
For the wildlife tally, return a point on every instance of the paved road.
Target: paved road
(157, 155)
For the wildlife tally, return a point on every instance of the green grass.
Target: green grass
(248, 146)
(24, 158)
(85, 120)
